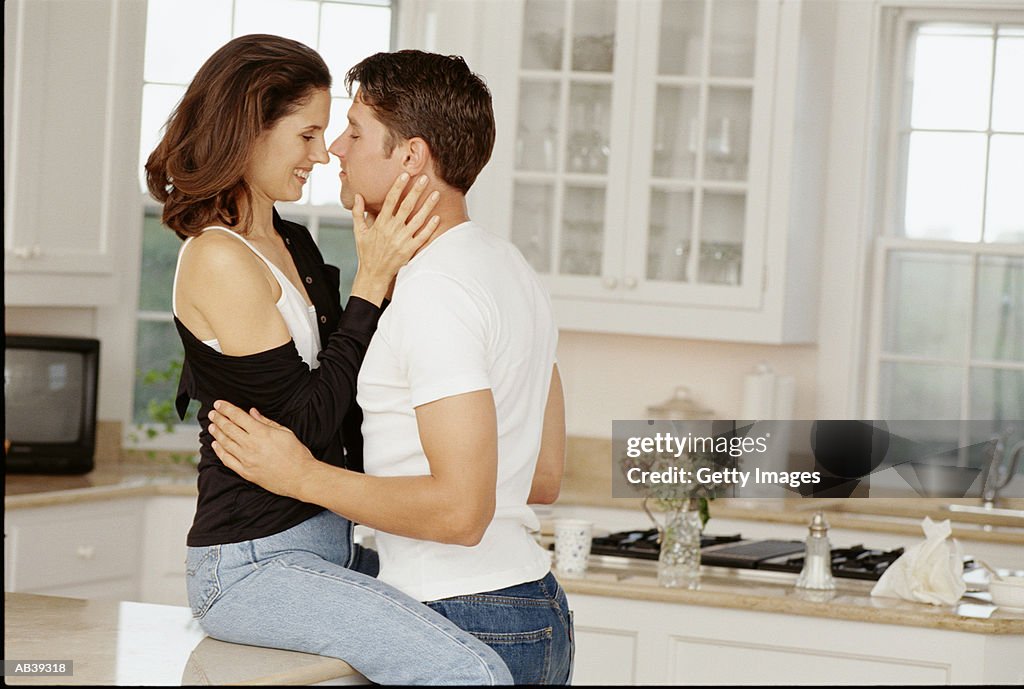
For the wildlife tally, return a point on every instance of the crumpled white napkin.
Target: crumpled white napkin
(928, 572)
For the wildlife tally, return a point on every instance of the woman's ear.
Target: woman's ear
(417, 157)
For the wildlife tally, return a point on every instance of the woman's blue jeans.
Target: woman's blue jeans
(529, 625)
(298, 590)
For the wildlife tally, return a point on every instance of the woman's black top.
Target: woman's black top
(318, 405)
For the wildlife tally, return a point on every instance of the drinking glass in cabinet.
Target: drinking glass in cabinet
(668, 235)
(593, 43)
(581, 248)
(587, 147)
(543, 34)
(582, 239)
(531, 223)
(681, 40)
(727, 137)
(536, 135)
(722, 226)
(733, 33)
(675, 135)
(720, 263)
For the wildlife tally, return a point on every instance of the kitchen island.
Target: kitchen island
(750, 627)
(124, 644)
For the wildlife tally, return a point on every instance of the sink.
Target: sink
(1011, 513)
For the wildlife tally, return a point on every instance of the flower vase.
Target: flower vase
(679, 559)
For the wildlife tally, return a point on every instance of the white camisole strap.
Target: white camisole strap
(299, 317)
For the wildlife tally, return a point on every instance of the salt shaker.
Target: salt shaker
(817, 571)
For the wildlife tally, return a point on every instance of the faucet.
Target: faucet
(996, 475)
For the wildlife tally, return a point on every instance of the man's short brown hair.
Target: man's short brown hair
(436, 98)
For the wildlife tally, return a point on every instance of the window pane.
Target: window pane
(532, 209)
(348, 33)
(589, 117)
(997, 394)
(295, 19)
(681, 44)
(181, 34)
(157, 103)
(582, 231)
(952, 73)
(721, 243)
(1004, 213)
(916, 391)
(338, 246)
(676, 132)
(733, 29)
(999, 318)
(945, 186)
(593, 41)
(156, 377)
(543, 34)
(668, 237)
(159, 257)
(927, 304)
(727, 140)
(1008, 96)
(536, 128)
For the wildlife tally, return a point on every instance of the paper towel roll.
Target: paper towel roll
(785, 398)
(758, 394)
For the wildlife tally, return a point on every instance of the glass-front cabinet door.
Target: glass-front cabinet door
(636, 143)
(570, 141)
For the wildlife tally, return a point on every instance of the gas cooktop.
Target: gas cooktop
(856, 562)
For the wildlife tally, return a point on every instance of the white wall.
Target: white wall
(610, 376)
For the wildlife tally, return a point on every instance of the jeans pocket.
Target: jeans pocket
(202, 578)
(527, 654)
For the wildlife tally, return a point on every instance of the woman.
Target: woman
(254, 303)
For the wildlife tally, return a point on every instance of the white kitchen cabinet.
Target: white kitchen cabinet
(659, 162)
(72, 97)
(678, 644)
(88, 550)
(168, 519)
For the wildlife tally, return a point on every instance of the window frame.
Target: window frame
(183, 437)
(899, 23)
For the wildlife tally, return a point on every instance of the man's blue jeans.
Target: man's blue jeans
(297, 590)
(529, 625)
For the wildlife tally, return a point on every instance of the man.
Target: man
(464, 418)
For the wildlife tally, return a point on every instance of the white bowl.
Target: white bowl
(1009, 592)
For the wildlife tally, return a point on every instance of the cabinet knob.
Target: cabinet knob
(610, 282)
(85, 552)
(630, 282)
(34, 251)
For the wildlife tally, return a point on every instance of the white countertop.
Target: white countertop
(120, 643)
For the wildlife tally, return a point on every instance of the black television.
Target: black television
(50, 403)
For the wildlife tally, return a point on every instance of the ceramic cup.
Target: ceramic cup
(572, 546)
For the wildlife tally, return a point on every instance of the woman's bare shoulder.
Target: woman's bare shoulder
(215, 252)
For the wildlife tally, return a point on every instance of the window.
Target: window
(180, 35)
(948, 301)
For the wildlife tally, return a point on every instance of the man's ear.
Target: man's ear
(417, 157)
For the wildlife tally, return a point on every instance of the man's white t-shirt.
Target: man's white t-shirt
(468, 314)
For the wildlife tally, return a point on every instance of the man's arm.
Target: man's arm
(547, 477)
(453, 504)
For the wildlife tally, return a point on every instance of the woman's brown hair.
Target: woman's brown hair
(242, 90)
